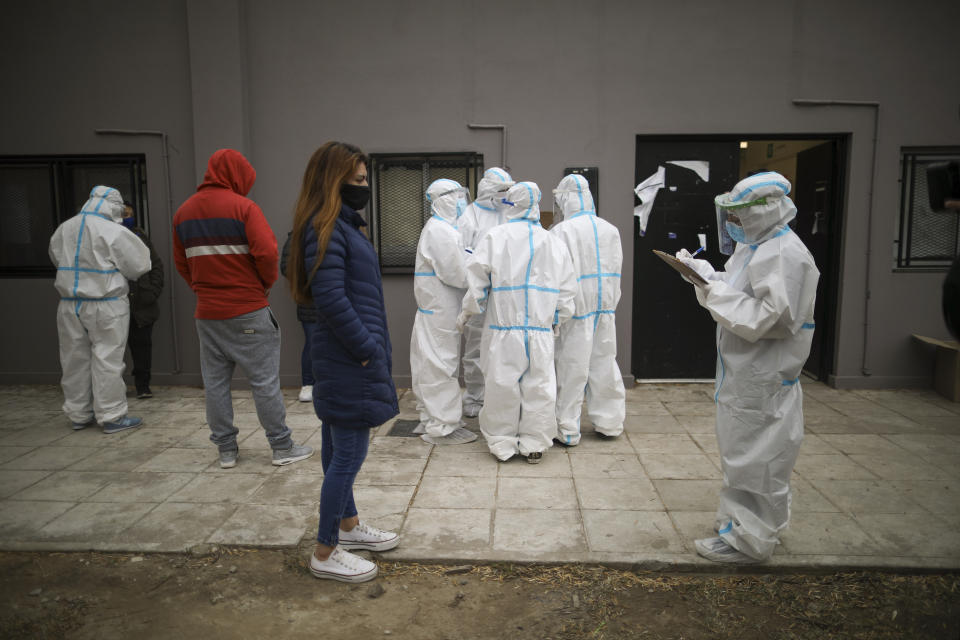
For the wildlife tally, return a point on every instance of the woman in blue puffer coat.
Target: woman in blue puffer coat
(334, 268)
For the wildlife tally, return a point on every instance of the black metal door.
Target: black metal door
(673, 336)
(815, 195)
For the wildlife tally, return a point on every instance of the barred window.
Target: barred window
(927, 239)
(37, 193)
(399, 208)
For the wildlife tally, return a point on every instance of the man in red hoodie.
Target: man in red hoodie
(227, 253)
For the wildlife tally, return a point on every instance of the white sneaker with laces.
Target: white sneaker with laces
(718, 550)
(363, 536)
(343, 566)
(306, 394)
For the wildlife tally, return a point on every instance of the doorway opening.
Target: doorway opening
(673, 337)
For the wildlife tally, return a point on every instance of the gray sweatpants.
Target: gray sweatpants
(252, 341)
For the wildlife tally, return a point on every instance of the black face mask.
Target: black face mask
(355, 196)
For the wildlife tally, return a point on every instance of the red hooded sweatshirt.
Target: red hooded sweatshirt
(223, 246)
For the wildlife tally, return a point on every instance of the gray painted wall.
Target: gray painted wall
(574, 82)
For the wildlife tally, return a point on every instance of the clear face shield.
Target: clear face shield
(499, 199)
(558, 199)
(460, 195)
(729, 227)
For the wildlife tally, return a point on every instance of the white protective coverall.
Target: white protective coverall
(586, 351)
(438, 285)
(522, 276)
(95, 256)
(763, 305)
(484, 213)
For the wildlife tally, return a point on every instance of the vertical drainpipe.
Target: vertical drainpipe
(864, 364)
(166, 176)
(503, 140)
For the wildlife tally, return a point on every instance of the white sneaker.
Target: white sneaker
(457, 436)
(718, 550)
(363, 536)
(306, 394)
(343, 566)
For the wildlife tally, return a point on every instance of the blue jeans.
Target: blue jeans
(306, 364)
(342, 451)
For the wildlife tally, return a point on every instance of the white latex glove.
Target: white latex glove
(702, 267)
(461, 320)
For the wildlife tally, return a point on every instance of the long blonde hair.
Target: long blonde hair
(328, 169)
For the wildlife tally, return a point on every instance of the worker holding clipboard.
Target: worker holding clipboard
(763, 304)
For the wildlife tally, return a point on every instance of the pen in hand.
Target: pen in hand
(696, 252)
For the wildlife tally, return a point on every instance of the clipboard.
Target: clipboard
(683, 269)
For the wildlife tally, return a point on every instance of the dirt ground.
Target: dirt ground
(244, 593)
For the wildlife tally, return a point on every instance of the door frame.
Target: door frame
(837, 225)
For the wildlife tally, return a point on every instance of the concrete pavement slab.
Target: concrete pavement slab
(688, 495)
(227, 488)
(67, 486)
(545, 535)
(174, 527)
(679, 466)
(627, 531)
(178, 459)
(606, 465)
(115, 459)
(13, 480)
(832, 467)
(22, 521)
(10, 453)
(451, 461)
(452, 492)
(536, 494)
(875, 465)
(93, 523)
(613, 494)
(265, 525)
(289, 489)
(446, 532)
(836, 534)
(136, 487)
(50, 457)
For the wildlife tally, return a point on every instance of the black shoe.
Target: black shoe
(535, 457)
(144, 393)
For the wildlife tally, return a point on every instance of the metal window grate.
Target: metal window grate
(37, 193)
(399, 208)
(927, 239)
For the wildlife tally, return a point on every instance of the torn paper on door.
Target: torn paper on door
(647, 192)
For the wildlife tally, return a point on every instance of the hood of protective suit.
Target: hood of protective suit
(105, 201)
(572, 196)
(495, 180)
(761, 203)
(229, 169)
(523, 202)
(448, 199)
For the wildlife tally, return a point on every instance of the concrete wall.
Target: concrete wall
(71, 68)
(574, 82)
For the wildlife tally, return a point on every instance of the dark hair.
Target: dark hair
(328, 169)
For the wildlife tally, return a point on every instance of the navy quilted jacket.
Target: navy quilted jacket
(351, 327)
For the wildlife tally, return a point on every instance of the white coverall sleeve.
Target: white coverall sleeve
(703, 268)
(566, 301)
(445, 252)
(130, 254)
(468, 227)
(478, 269)
(751, 317)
